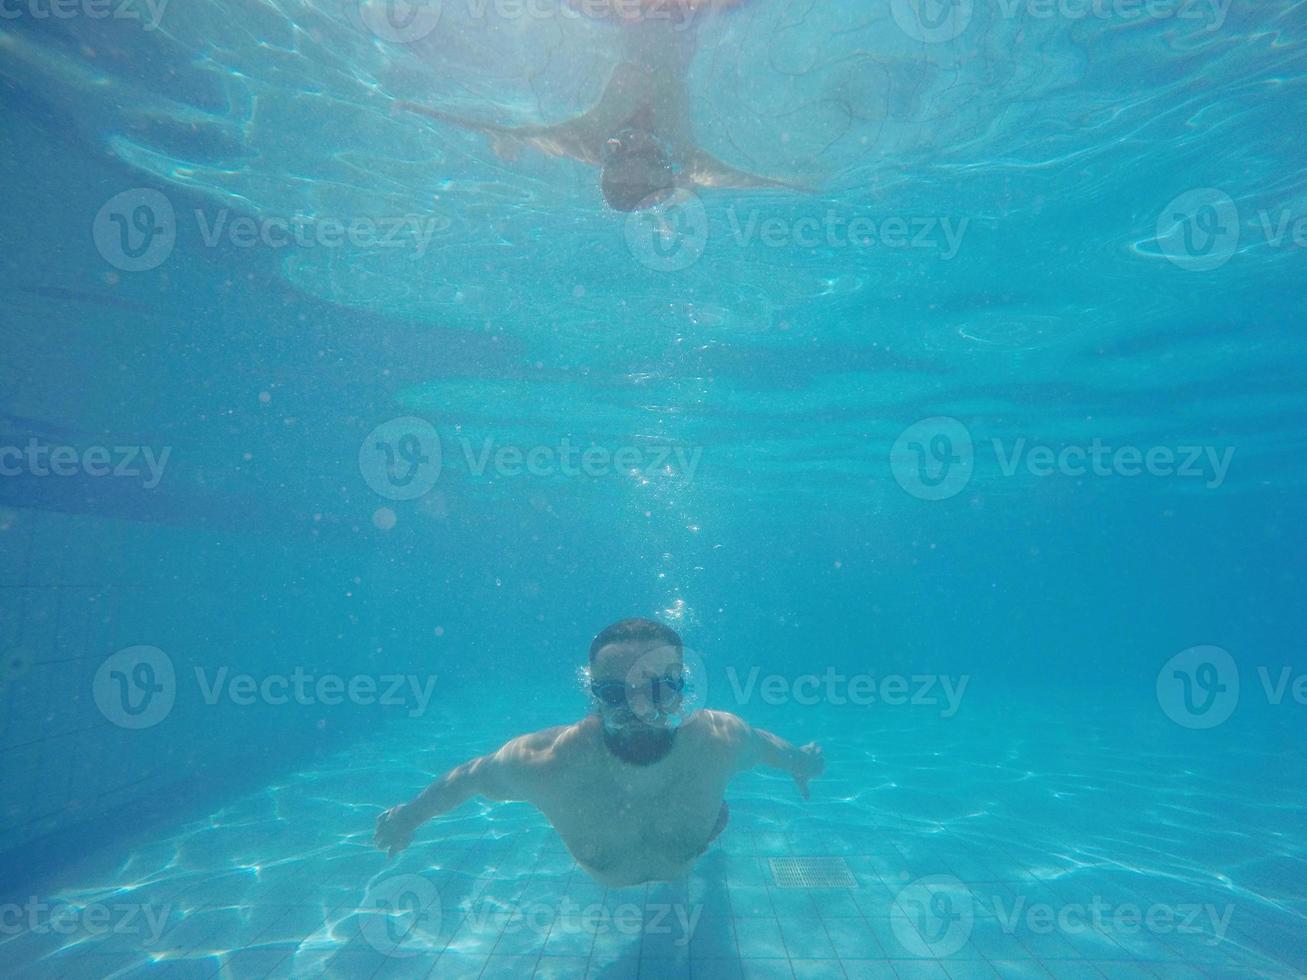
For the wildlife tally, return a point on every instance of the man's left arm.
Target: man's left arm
(757, 747)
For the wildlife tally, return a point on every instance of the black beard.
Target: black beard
(640, 748)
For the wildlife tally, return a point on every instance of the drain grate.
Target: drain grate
(812, 873)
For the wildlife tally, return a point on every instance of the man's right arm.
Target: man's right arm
(503, 775)
(568, 139)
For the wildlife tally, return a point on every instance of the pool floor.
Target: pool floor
(976, 849)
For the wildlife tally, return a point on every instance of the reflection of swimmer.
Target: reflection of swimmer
(639, 134)
(634, 795)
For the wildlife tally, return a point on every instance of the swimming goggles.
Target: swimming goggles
(663, 691)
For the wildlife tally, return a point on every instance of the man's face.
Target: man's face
(638, 687)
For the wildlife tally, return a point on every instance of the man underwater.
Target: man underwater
(640, 133)
(634, 796)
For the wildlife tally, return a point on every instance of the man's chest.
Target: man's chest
(639, 806)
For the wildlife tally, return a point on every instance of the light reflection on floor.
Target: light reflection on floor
(979, 851)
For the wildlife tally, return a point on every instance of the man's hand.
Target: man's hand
(502, 775)
(756, 747)
(810, 763)
(394, 831)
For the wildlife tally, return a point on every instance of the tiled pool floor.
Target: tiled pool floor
(975, 853)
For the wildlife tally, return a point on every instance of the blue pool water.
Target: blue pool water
(331, 433)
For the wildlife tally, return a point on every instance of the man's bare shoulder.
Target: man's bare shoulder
(540, 749)
(719, 728)
(533, 766)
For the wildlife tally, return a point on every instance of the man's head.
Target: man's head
(636, 679)
(636, 171)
